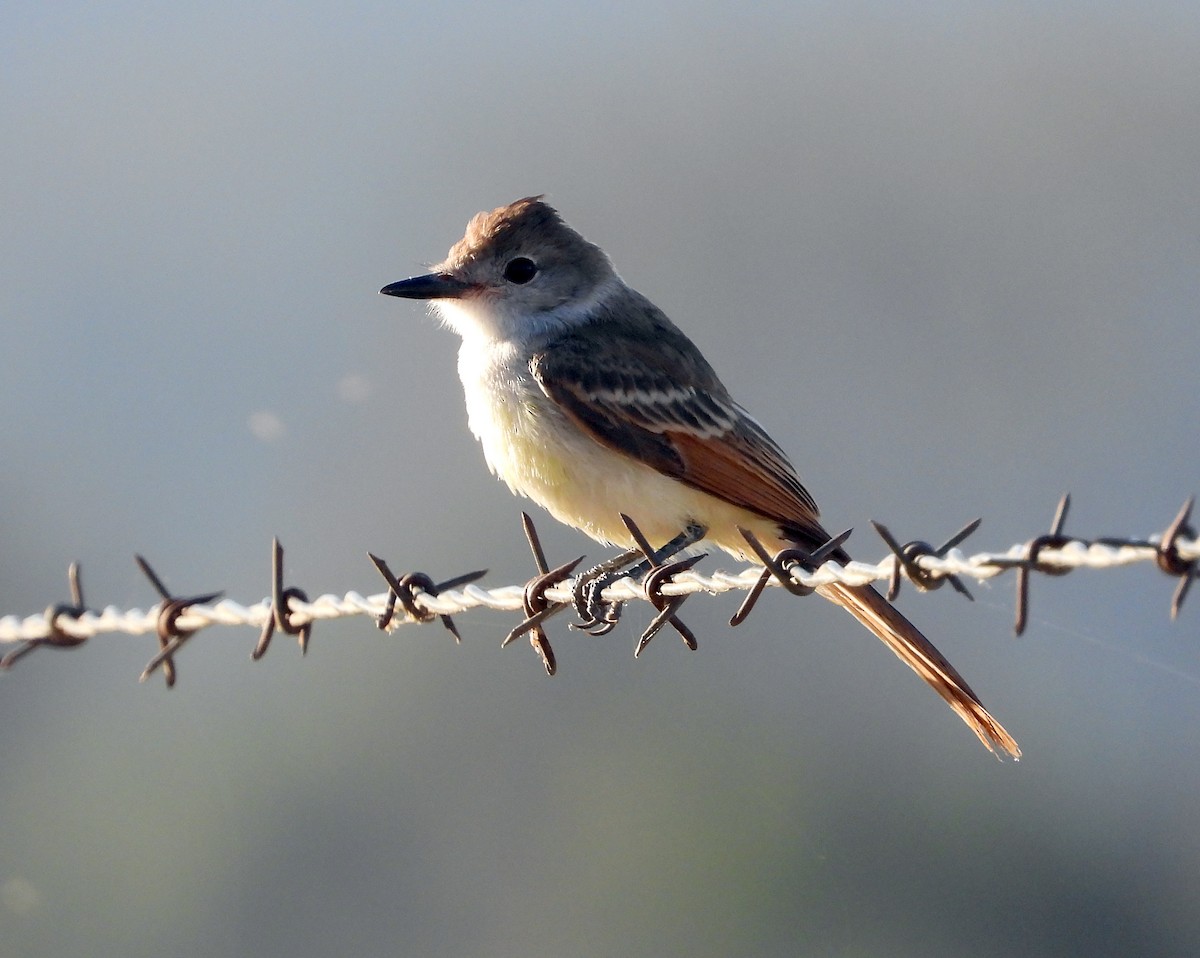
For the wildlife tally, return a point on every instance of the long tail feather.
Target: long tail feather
(919, 654)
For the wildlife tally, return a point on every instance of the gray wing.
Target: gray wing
(657, 400)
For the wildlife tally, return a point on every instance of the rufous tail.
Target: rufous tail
(919, 654)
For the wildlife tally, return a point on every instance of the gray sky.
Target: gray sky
(949, 254)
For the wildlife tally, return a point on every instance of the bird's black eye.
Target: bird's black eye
(520, 270)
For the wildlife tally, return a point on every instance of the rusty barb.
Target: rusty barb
(56, 637)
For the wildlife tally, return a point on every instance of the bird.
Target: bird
(588, 400)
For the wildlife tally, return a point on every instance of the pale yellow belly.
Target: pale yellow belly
(541, 454)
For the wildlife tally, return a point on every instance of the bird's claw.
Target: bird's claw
(597, 616)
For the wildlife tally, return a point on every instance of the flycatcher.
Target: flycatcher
(589, 401)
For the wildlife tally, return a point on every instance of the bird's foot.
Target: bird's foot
(599, 616)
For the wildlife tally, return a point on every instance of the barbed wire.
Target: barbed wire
(598, 595)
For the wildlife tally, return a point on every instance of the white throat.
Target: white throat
(501, 319)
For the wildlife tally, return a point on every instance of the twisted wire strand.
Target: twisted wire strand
(1073, 554)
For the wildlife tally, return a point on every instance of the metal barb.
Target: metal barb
(1169, 560)
(535, 541)
(909, 554)
(405, 588)
(667, 606)
(537, 607)
(1053, 540)
(779, 567)
(659, 573)
(170, 636)
(57, 638)
(281, 616)
(775, 563)
(781, 563)
(751, 599)
(533, 620)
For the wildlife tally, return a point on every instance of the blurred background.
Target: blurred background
(949, 253)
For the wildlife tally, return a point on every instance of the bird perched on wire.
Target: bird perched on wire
(590, 401)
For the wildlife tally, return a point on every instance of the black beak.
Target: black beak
(432, 286)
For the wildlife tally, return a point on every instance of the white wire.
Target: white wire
(981, 566)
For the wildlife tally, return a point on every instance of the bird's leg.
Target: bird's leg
(598, 617)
